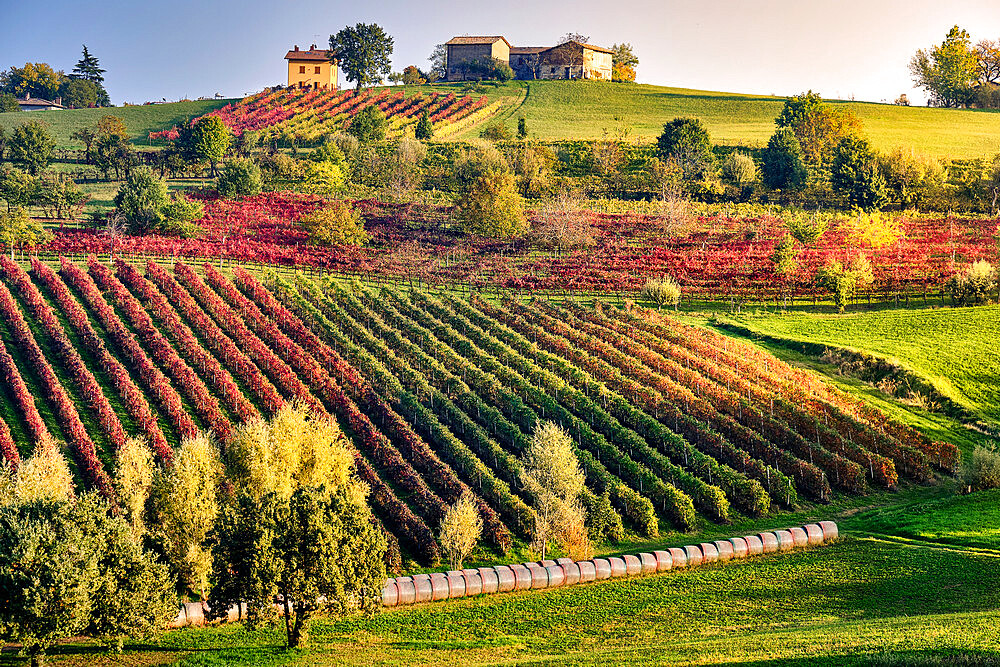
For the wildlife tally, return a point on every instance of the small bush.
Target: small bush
(240, 177)
(179, 217)
(496, 132)
(974, 285)
(856, 173)
(476, 160)
(783, 164)
(662, 291)
(335, 224)
(739, 168)
(982, 470)
(806, 227)
(424, 129)
(347, 143)
(687, 141)
(491, 206)
(369, 125)
(330, 152)
(323, 178)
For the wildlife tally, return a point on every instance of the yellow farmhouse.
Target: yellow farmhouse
(311, 69)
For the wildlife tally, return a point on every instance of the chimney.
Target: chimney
(296, 48)
(312, 48)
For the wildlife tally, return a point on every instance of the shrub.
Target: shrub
(875, 229)
(133, 481)
(324, 179)
(30, 147)
(424, 130)
(522, 128)
(329, 151)
(141, 199)
(855, 172)
(403, 167)
(18, 229)
(179, 215)
(982, 470)
(911, 179)
(817, 125)
(551, 468)
(562, 224)
(476, 160)
(782, 162)
(687, 141)
(369, 125)
(347, 143)
(739, 168)
(974, 285)
(662, 291)
(460, 530)
(496, 132)
(337, 223)
(240, 177)
(844, 282)
(491, 206)
(806, 227)
(785, 256)
(280, 167)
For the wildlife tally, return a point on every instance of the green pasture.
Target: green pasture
(589, 109)
(139, 120)
(953, 348)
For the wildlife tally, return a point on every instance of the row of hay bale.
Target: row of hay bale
(567, 572)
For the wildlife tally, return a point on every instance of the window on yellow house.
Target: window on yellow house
(302, 69)
(317, 70)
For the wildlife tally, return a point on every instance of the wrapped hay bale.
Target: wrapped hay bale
(755, 546)
(770, 542)
(799, 537)
(785, 540)
(572, 571)
(830, 530)
(588, 571)
(725, 549)
(633, 565)
(539, 577)
(439, 586)
(740, 548)
(456, 584)
(663, 561)
(505, 579)
(694, 555)
(678, 557)
(557, 575)
(602, 568)
(618, 567)
(522, 577)
(407, 591)
(473, 582)
(814, 534)
(390, 593)
(648, 562)
(709, 553)
(422, 584)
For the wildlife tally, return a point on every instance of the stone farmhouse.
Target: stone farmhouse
(571, 60)
(311, 69)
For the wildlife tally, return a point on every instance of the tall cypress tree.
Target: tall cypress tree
(89, 68)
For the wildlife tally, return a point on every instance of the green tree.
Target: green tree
(17, 188)
(369, 125)
(363, 53)
(687, 141)
(439, 61)
(210, 139)
(110, 148)
(491, 206)
(79, 93)
(240, 177)
(782, 162)
(522, 128)
(8, 103)
(424, 130)
(88, 68)
(817, 125)
(318, 550)
(623, 62)
(69, 568)
(18, 229)
(141, 199)
(844, 282)
(856, 173)
(60, 197)
(324, 178)
(412, 76)
(34, 79)
(30, 147)
(739, 168)
(948, 71)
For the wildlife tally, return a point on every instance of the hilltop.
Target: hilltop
(586, 110)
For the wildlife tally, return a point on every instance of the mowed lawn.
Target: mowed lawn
(849, 603)
(954, 348)
(139, 120)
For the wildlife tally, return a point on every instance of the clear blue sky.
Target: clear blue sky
(189, 48)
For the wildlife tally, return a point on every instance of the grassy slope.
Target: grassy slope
(953, 348)
(140, 120)
(837, 605)
(585, 109)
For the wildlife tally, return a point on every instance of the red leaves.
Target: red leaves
(83, 449)
(202, 402)
(67, 355)
(152, 378)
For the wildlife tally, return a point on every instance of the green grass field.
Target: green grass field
(953, 348)
(586, 109)
(140, 120)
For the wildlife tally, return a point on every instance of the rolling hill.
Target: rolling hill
(586, 110)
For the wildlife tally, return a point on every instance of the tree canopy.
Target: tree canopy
(35, 79)
(623, 62)
(363, 53)
(950, 70)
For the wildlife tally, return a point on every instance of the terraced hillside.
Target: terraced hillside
(677, 427)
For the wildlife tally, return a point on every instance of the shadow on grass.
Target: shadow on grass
(926, 658)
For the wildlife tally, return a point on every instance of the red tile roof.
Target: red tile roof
(467, 39)
(526, 50)
(311, 55)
